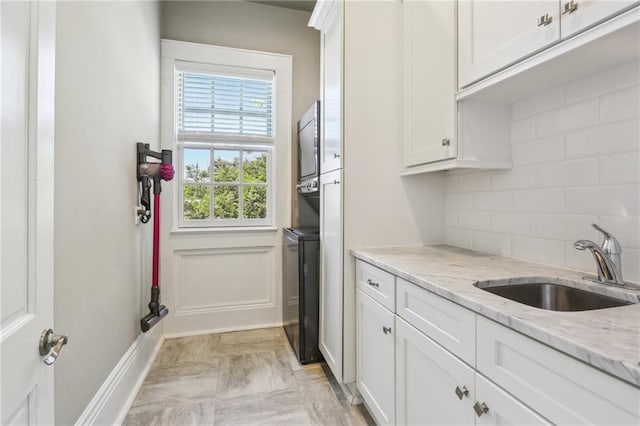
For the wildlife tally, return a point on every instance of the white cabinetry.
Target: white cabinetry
(578, 15)
(331, 87)
(433, 387)
(430, 82)
(330, 333)
(375, 363)
(494, 34)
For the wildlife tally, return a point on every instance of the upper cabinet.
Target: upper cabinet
(430, 83)
(331, 88)
(493, 35)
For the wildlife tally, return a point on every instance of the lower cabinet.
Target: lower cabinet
(375, 357)
(433, 387)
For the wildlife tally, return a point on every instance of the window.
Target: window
(225, 137)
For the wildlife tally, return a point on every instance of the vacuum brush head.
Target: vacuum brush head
(151, 319)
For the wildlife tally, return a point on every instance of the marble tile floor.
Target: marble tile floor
(240, 378)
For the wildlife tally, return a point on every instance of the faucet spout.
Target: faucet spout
(609, 270)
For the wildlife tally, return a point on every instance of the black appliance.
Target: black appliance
(309, 155)
(300, 291)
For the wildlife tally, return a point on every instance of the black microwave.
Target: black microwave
(309, 151)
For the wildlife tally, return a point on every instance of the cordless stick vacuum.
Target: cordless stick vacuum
(155, 172)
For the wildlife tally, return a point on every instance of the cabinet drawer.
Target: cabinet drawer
(378, 284)
(560, 388)
(452, 326)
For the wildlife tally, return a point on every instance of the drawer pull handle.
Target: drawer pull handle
(386, 330)
(480, 409)
(545, 20)
(570, 7)
(373, 283)
(461, 393)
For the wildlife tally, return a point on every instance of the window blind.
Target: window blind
(218, 104)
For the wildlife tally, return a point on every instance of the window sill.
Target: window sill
(224, 230)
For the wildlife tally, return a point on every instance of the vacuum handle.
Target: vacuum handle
(166, 156)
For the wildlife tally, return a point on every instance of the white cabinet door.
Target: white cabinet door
(375, 357)
(427, 378)
(27, 58)
(501, 408)
(578, 15)
(494, 34)
(331, 103)
(429, 81)
(331, 284)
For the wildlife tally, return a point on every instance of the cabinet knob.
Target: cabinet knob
(373, 283)
(461, 393)
(446, 142)
(545, 20)
(480, 408)
(570, 7)
(336, 155)
(336, 182)
(386, 330)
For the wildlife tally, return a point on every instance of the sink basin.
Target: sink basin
(549, 294)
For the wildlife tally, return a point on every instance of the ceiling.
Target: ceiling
(306, 5)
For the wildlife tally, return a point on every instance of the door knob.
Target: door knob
(51, 345)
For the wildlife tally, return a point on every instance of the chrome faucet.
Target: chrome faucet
(607, 257)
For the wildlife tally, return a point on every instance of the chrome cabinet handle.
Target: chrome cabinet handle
(461, 393)
(545, 20)
(446, 142)
(51, 345)
(336, 182)
(336, 155)
(373, 283)
(480, 409)
(386, 330)
(570, 7)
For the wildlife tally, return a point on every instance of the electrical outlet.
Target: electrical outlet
(136, 215)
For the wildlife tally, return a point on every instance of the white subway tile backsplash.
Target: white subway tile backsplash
(608, 81)
(570, 117)
(491, 242)
(603, 200)
(474, 220)
(602, 140)
(620, 105)
(539, 200)
(458, 201)
(538, 151)
(518, 177)
(474, 182)
(522, 130)
(619, 168)
(458, 237)
(513, 223)
(492, 201)
(538, 249)
(568, 173)
(542, 102)
(566, 227)
(625, 228)
(576, 156)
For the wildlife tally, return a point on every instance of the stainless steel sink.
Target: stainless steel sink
(549, 294)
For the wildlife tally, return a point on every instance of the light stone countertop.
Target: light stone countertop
(608, 339)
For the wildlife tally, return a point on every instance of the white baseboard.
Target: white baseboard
(111, 403)
(221, 330)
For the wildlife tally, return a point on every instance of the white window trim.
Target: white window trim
(173, 52)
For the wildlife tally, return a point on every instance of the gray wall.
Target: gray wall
(107, 98)
(257, 27)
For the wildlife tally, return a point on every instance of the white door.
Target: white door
(26, 158)
(331, 270)
(494, 34)
(375, 351)
(331, 105)
(429, 81)
(577, 15)
(433, 387)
